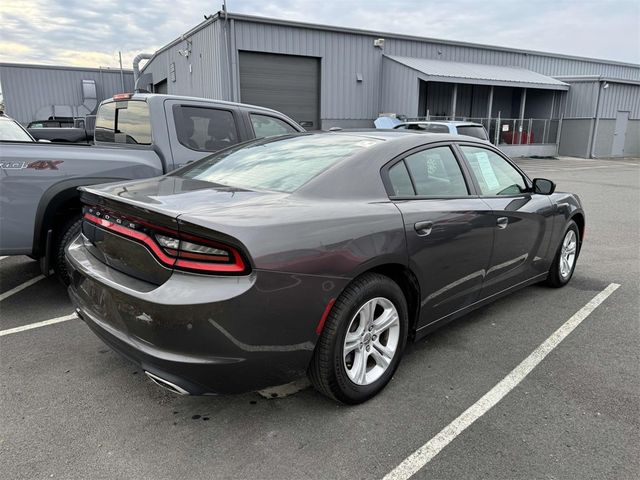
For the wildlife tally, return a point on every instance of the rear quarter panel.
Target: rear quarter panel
(32, 174)
(329, 238)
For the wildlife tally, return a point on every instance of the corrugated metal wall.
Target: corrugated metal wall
(28, 88)
(208, 76)
(620, 96)
(399, 89)
(582, 98)
(343, 55)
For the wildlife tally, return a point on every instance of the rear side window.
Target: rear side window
(401, 181)
(473, 131)
(124, 122)
(435, 172)
(281, 164)
(266, 126)
(205, 129)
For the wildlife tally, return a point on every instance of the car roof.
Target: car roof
(366, 163)
(411, 136)
(161, 96)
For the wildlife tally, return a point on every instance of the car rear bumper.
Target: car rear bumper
(204, 334)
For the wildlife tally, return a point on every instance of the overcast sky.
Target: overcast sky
(91, 32)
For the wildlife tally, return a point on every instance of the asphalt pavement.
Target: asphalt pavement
(72, 408)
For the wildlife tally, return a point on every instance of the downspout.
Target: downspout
(233, 53)
(136, 66)
(594, 131)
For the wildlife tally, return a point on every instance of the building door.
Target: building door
(287, 83)
(620, 134)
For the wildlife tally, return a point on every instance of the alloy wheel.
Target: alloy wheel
(371, 341)
(568, 254)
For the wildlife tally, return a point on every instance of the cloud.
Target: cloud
(77, 32)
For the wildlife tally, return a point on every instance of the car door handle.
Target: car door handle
(423, 228)
(502, 222)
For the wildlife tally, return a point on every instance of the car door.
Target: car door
(522, 220)
(199, 129)
(448, 229)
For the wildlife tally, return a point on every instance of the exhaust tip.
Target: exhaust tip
(161, 382)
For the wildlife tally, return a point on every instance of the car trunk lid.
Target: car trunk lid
(134, 227)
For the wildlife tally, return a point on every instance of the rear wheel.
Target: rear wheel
(69, 230)
(362, 341)
(564, 263)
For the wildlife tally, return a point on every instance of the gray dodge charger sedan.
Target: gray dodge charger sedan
(312, 253)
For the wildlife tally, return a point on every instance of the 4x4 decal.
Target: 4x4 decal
(37, 165)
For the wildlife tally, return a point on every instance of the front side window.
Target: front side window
(205, 129)
(266, 126)
(279, 164)
(432, 172)
(495, 175)
(124, 122)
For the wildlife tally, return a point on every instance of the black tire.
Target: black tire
(69, 231)
(555, 278)
(327, 370)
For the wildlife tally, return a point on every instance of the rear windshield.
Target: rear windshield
(472, 131)
(281, 165)
(124, 122)
(10, 131)
(426, 127)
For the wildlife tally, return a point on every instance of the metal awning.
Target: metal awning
(478, 74)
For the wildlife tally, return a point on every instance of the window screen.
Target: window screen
(205, 129)
(124, 122)
(266, 126)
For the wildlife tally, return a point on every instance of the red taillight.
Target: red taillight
(122, 96)
(182, 251)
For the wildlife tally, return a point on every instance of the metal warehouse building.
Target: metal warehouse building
(39, 92)
(532, 103)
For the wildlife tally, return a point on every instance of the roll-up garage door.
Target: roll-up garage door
(287, 83)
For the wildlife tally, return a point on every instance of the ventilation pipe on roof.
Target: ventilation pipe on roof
(136, 66)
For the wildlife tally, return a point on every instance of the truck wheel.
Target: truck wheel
(65, 235)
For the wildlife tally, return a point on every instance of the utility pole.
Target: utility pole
(121, 72)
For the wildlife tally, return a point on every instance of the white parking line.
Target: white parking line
(429, 450)
(2, 258)
(31, 326)
(20, 287)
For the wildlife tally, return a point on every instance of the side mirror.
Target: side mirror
(42, 140)
(543, 186)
